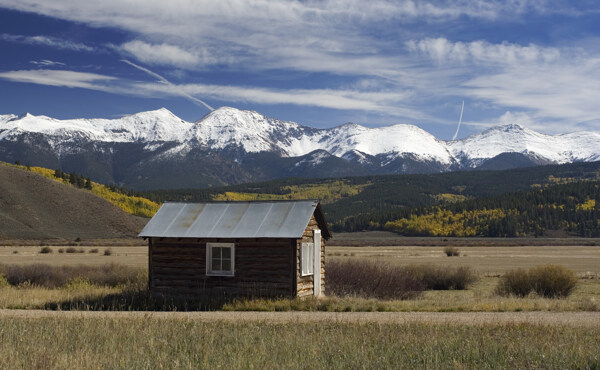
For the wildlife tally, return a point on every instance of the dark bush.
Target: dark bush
(94, 250)
(71, 250)
(56, 276)
(46, 250)
(515, 282)
(371, 280)
(444, 277)
(451, 251)
(108, 252)
(61, 250)
(550, 281)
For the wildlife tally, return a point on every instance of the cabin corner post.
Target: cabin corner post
(317, 263)
(150, 264)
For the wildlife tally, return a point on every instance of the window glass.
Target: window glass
(220, 258)
(307, 258)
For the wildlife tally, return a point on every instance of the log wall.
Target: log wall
(263, 268)
(304, 285)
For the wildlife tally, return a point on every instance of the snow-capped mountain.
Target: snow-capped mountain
(158, 149)
(573, 147)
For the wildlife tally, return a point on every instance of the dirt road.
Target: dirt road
(576, 319)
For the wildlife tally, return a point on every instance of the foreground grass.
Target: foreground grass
(120, 343)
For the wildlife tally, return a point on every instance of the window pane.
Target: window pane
(216, 264)
(226, 252)
(226, 265)
(311, 254)
(216, 252)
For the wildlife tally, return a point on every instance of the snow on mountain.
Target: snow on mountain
(255, 133)
(159, 125)
(397, 139)
(580, 146)
(232, 128)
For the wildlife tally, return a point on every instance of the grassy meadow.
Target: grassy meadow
(118, 340)
(488, 263)
(146, 342)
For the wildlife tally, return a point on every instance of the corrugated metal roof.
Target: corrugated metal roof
(272, 219)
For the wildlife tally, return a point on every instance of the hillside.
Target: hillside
(571, 209)
(35, 207)
(368, 202)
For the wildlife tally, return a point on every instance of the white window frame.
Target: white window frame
(209, 251)
(307, 259)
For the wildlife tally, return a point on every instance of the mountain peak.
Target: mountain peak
(160, 113)
(511, 127)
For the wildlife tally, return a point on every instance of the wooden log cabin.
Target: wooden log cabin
(233, 249)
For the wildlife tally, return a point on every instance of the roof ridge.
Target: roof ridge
(243, 201)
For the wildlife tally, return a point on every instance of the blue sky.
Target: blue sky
(318, 63)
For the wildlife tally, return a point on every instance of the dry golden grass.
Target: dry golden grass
(174, 343)
(488, 262)
(485, 260)
(130, 256)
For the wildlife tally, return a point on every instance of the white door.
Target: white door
(317, 265)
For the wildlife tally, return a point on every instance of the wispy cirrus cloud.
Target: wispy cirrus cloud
(262, 34)
(443, 51)
(398, 58)
(47, 41)
(163, 54)
(46, 63)
(63, 78)
(542, 87)
(382, 102)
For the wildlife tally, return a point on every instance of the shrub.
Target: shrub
(71, 250)
(443, 277)
(58, 276)
(94, 250)
(108, 252)
(552, 281)
(379, 280)
(61, 250)
(549, 281)
(451, 251)
(46, 250)
(515, 282)
(371, 280)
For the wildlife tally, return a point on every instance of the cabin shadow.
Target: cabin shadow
(145, 300)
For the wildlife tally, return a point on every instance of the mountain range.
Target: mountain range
(157, 149)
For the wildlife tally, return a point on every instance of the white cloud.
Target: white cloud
(343, 38)
(46, 63)
(269, 33)
(444, 51)
(565, 89)
(161, 54)
(390, 103)
(61, 78)
(47, 41)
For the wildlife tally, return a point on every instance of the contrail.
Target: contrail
(167, 82)
(459, 120)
